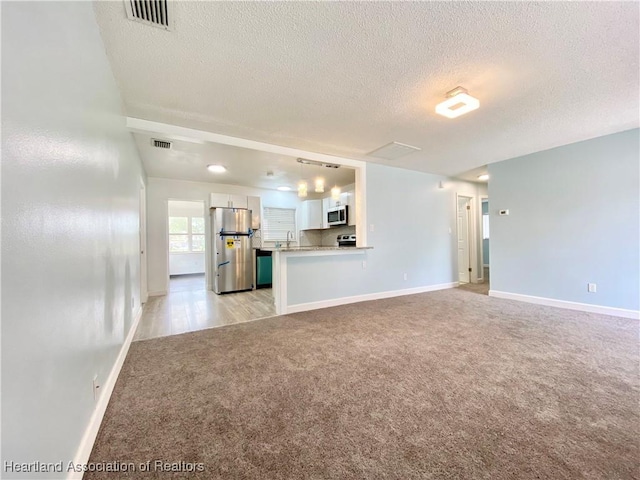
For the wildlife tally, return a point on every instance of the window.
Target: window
(276, 222)
(485, 226)
(186, 234)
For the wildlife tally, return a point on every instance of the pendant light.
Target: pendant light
(319, 185)
(302, 184)
(302, 188)
(335, 193)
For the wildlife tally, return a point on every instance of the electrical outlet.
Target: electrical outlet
(364, 264)
(96, 387)
(405, 276)
(372, 228)
(591, 287)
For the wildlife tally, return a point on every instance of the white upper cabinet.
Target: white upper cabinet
(238, 201)
(350, 201)
(255, 205)
(227, 200)
(311, 215)
(219, 200)
(326, 205)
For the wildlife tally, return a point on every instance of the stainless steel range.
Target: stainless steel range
(346, 240)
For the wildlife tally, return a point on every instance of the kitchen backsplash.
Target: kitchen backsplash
(309, 238)
(324, 238)
(256, 240)
(329, 237)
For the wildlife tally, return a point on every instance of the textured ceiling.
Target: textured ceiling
(345, 78)
(189, 160)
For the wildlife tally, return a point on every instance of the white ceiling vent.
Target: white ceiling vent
(393, 150)
(158, 13)
(160, 143)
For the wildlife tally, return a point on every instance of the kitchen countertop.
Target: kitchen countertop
(311, 249)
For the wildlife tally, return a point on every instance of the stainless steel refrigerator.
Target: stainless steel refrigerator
(232, 257)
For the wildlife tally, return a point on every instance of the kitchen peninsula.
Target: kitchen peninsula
(284, 257)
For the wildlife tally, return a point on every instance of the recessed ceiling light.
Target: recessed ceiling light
(217, 168)
(393, 150)
(483, 177)
(458, 103)
(284, 189)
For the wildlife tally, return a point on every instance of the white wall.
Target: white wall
(70, 212)
(573, 220)
(411, 227)
(188, 262)
(161, 190)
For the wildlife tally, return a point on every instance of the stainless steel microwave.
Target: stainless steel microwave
(337, 216)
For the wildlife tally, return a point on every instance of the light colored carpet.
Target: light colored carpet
(447, 384)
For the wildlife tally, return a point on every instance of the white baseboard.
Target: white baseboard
(302, 307)
(90, 434)
(158, 293)
(552, 302)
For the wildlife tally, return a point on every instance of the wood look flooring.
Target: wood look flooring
(189, 307)
(481, 288)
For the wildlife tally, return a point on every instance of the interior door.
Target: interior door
(464, 209)
(143, 243)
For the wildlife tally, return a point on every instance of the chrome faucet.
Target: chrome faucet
(289, 234)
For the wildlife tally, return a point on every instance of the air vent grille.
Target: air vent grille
(160, 143)
(158, 13)
(393, 150)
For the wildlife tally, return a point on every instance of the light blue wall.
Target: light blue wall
(412, 219)
(70, 244)
(574, 219)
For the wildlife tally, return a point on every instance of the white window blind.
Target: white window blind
(276, 222)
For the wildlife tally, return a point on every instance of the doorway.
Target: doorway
(189, 305)
(142, 229)
(187, 245)
(464, 252)
(485, 240)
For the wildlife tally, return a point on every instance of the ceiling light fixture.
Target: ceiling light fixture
(217, 168)
(458, 103)
(335, 193)
(483, 177)
(284, 189)
(302, 189)
(304, 161)
(319, 185)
